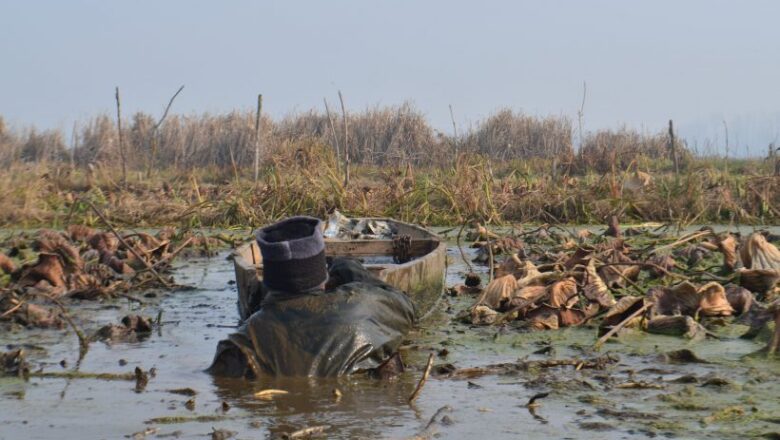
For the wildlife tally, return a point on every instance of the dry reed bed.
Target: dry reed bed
(375, 136)
(307, 180)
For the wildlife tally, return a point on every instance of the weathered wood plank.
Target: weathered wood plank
(365, 248)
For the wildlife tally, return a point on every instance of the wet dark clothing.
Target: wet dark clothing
(355, 325)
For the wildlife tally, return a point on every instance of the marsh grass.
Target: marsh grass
(306, 180)
(509, 168)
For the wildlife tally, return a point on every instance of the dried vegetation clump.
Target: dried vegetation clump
(40, 270)
(630, 280)
(197, 170)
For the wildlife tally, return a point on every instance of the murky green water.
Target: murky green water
(581, 404)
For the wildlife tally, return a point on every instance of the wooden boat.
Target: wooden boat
(422, 277)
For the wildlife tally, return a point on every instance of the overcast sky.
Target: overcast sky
(645, 62)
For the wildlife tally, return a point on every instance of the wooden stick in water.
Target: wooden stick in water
(620, 325)
(424, 377)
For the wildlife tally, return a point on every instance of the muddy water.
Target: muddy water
(726, 398)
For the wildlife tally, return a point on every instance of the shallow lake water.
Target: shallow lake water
(729, 397)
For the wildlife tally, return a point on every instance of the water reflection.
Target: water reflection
(375, 405)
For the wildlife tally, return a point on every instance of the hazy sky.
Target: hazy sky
(645, 62)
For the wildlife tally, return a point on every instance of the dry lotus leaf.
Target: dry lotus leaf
(103, 242)
(680, 325)
(713, 300)
(510, 266)
(149, 241)
(571, 317)
(620, 312)
(483, 315)
(6, 264)
(531, 293)
(86, 286)
(682, 299)
(562, 291)
(55, 243)
(80, 232)
(595, 290)
(740, 299)
(520, 269)
(665, 262)
(758, 281)
(579, 257)
(616, 276)
(48, 267)
(498, 291)
(728, 247)
(543, 318)
(534, 278)
(757, 253)
(529, 270)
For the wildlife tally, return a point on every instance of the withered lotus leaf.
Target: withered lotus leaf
(529, 271)
(713, 301)
(562, 291)
(538, 280)
(595, 290)
(511, 266)
(616, 276)
(624, 307)
(728, 247)
(571, 317)
(80, 232)
(740, 299)
(579, 257)
(682, 299)
(483, 315)
(48, 267)
(665, 262)
(102, 241)
(531, 293)
(498, 291)
(757, 253)
(55, 243)
(6, 264)
(759, 281)
(543, 318)
(680, 325)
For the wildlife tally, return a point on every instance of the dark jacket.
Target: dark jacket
(353, 326)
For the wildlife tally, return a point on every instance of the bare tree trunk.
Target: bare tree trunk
(454, 132)
(726, 130)
(673, 148)
(335, 136)
(347, 159)
(257, 136)
(122, 153)
(153, 149)
(580, 115)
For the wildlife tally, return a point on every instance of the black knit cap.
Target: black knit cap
(293, 253)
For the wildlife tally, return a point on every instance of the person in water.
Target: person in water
(312, 321)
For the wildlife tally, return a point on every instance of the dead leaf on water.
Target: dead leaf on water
(270, 394)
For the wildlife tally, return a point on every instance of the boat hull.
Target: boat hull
(422, 278)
